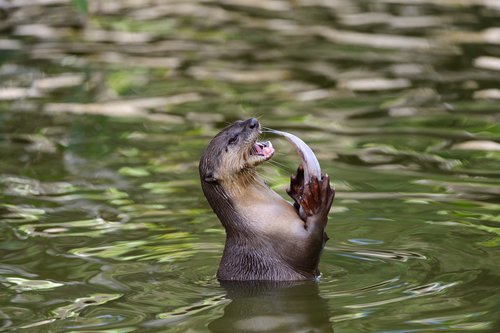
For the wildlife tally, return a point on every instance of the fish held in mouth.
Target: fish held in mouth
(309, 161)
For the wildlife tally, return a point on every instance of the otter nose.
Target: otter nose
(252, 123)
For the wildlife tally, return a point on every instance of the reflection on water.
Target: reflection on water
(273, 307)
(103, 117)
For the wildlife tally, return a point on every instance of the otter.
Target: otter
(267, 239)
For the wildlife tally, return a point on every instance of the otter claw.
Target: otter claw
(313, 198)
(296, 189)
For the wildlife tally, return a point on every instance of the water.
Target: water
(103, 226)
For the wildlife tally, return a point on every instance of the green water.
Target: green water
(103, 225)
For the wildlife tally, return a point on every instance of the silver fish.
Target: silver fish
(309, 161)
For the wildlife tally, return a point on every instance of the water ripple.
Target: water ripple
(103, 117)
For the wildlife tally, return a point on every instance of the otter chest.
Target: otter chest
(268, 212)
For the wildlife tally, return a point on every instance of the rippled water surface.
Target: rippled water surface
(103, 117)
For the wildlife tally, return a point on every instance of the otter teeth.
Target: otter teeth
(264, 149)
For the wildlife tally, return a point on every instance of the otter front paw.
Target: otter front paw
(296, 189)
(317, 198)
(312, 199)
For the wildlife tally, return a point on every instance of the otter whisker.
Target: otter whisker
(268, 129)
(267, 179)
(280, 165)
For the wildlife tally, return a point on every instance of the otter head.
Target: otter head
(234, 152)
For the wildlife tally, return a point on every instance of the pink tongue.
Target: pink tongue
(268, 151)
(265, 149)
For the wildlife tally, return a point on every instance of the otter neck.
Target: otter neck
(222, 195)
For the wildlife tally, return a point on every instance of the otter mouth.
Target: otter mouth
(263, 151)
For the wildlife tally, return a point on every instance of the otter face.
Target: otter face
(234, 150)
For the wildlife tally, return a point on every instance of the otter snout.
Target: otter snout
(252, 123)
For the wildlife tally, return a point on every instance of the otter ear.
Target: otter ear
(210, 178)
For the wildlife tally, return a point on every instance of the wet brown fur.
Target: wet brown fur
(265, 237)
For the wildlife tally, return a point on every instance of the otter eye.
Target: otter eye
(233, 139)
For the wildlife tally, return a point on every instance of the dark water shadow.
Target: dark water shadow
(273, 307)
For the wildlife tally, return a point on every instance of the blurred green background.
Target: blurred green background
(106, 107)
